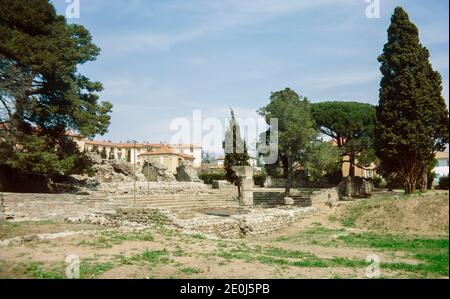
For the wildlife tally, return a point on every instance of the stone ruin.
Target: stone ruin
(107, 171)
(221, 184)
(186, 172)
(354, 187)
(247, 184)
(156, 172)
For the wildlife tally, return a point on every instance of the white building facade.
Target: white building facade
(442, 167)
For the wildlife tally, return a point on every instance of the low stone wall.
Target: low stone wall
(134, 217)
(256, 223)
(302, 197)
(274, 198)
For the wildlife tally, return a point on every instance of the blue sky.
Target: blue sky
(162, 59)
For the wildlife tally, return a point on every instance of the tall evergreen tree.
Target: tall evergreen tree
(42, 94)
(236, 154)
(412, 117)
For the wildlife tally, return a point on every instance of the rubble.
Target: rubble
(221, 184)
(156, 172)
(186, 172)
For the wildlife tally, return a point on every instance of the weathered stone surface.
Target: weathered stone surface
(272, 182)
(220, 184)
(96, 158)
(246, 198)
(354, 187)
(289, 201)
(255, 223)
(247, 184)
(187, 172)
(86, 181)
(156, 172)
(107, 171)
(243, 171)
(328, 196)
(128, 217)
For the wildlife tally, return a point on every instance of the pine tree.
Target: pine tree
(412, 117)
(42, 93)
(235, 152)
(351, 125)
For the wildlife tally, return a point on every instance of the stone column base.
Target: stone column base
(289, 201)
(246, 198)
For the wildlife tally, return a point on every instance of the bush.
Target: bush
(443, 183)
(394, 182)
(377, 182)
(334, 177)
(207, 178)
(259, 179)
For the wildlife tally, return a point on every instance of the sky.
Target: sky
(162, 59)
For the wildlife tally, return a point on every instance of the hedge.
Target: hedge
(443, 183)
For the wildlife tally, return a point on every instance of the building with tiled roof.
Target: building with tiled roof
(167, 154)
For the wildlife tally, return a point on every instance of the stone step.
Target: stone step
(168, 200)
(189, 207)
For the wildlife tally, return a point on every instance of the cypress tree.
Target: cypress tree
(236, 153)
(412, 117)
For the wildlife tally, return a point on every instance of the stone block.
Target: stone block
(289, 201)
(246, 198)
(247, 183)
(243, 171)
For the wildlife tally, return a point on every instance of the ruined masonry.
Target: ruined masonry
(246, 175)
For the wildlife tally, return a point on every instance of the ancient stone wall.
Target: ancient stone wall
(355, 187)
(302, 197)
(257, 222)
(186, 172)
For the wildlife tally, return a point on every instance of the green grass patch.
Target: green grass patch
(198, 236)
(93, 270)
(153, 257)
(36, 270)
(191, 270)
(432, 260)
(393, 242)
(110, 238)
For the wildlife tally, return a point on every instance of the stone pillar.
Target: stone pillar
(246, 175)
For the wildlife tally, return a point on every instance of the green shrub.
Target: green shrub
(394, 182)
(443, 183)
(207, 178)
(259, 179)
(377, 182)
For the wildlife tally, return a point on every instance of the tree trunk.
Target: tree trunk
(410, 186)
(351, 170)
(287, 192)
(425, 180)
